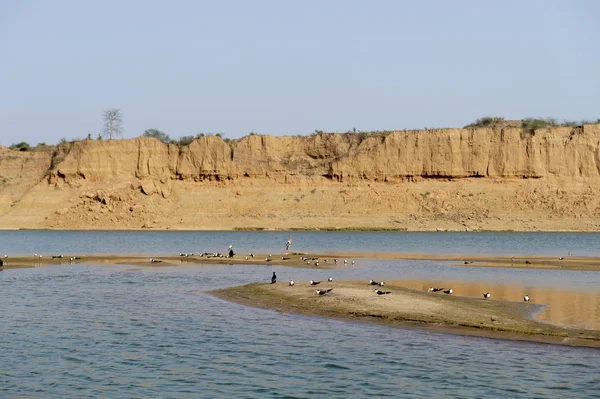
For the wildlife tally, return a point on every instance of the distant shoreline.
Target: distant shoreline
(309, 230)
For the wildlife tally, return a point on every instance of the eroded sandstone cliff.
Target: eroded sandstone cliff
(507, 178)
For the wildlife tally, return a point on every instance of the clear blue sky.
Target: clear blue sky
(290, 67)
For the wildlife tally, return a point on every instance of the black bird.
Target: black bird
(274, 278)
(379, 283)
(433, 289)
(312, 282)
(323, 292)
(448, 291)
(379, 292)
(487, 295)
(527, 262)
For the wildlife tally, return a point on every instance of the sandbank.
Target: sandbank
(326, 260)
(405, 307)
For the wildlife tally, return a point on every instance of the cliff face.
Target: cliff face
(456, 178)
(447, 153)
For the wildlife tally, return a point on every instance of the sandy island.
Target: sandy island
(306, 260)
(404, 307)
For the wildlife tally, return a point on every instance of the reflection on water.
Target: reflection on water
(563, 307)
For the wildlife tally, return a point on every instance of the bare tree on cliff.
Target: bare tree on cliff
(113, 123)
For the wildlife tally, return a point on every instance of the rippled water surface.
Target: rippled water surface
(24, 242)
(124, 332)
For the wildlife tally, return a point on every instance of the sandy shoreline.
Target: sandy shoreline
(325, 261)
(407, 308)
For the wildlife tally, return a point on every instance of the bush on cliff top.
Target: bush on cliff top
(528, 123)
(486, 121)
(22, 146)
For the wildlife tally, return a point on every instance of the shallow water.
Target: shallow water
(124, 331)
(24, 242)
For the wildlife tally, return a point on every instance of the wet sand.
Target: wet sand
(412, 308)
(326, 260)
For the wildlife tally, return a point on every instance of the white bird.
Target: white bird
(561, 258)
(487, 295)
(526, 298)
(352, 263)
(345, 261)
(330, 279)
(291, 283)
(433, 289)
(246, 258)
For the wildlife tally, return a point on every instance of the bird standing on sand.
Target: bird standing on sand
(379, 292)
(273, 278)
(526, 298)
(448, 292)
(288, 244)
(379, 283)
(487, 295)
(312, 282)
(291, 283)
(323, 292)
(330, 279)
(433, 289)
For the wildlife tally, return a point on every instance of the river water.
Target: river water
(23, 242)
(121, 331)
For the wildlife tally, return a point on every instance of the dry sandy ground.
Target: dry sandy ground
(411, 308)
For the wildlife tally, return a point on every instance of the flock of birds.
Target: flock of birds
(291, 283)
(377, 291)
(449, 291)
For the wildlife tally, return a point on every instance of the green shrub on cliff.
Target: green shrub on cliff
(538, 123)
(157, 134)
(22, 146)
(486, 121)
(183, 141)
